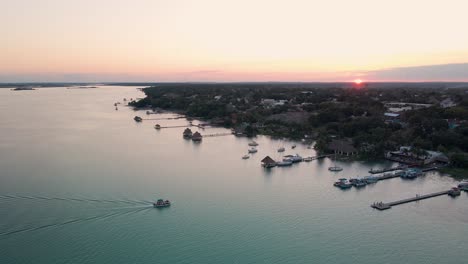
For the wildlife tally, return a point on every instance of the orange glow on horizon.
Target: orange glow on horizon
(358, 81)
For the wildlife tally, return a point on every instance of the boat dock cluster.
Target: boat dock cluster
(288, 160)
(410, 173)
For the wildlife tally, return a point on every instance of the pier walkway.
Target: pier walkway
(218, 134)
(384, 206)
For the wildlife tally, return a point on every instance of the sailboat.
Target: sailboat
(334, 167)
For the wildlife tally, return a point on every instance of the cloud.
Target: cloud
(443, 72)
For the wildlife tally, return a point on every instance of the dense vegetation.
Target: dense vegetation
(325, 111)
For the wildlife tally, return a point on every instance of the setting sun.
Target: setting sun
(358, 81)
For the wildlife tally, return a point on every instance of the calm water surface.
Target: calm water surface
(77, 177)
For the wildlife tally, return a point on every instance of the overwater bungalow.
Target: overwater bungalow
(268, 162)
(187, 133)
(197, 137)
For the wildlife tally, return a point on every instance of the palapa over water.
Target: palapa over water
(268, 162)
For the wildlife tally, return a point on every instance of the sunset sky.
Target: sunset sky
(241, 40)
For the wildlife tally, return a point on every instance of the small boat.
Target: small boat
(343, 184)
(157, 126)
(138, 119)
(371, 179)
(116, 108)
(284, 163)
(253, 150)
(335, 168)
(293, 158)
(293, 146)
(161, 203)
(454, 192)
(281, 149)
(308, 159)
(253, 144)
(245, 157)
(358, 183)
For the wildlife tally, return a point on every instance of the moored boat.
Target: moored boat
(253, 150)
(284, 163)
(157, 126)
(245, 157)
(308, 159)
(253, 144)
(293, 158)
(281, 149)
(335, 168)
(138, 119)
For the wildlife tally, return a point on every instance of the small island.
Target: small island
(411, 123)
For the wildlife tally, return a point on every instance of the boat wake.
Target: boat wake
(78, 220)
(133, 202)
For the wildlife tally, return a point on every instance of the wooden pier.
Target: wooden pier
(218, 134)
(385, 206)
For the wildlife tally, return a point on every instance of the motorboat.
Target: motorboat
(161, 203)
(138, 119)
(293, 158)
(253, 144)
(157, 126)
(253, 150)
(308, 159)
(335, 168)
(281, 149)
(293, 146)
(284, 163)
(245, 157)
(371, 179)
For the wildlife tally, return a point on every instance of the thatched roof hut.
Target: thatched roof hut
(268, 162)
(197, 136)
(187, 133)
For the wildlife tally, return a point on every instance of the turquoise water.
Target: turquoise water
(77, 178)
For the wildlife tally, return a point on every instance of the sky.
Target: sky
(226, 40)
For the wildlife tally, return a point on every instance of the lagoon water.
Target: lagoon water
(77, 178)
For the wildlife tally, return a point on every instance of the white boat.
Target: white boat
(335, 168)
(281, 149)
(253, 150)
(245, 157)
(293, 158)
(307, 159)
(285, 162)
(253, 144)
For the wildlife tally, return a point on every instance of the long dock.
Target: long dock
(385, 206)
(218, 134)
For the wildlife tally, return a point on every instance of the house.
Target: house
(272, 102)
(392, 118)
(406, 155)
(343, 147)
(446, 103)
